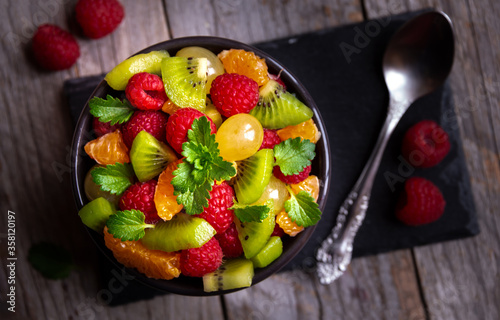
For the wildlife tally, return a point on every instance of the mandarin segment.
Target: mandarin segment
(245, 63)
(169, 107)
(153, 263)
(310, 184)
(164, 198)
(288, 226)
(305, 130)
(108, 149)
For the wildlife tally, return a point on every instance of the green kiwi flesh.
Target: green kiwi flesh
(145, 62)
(232, 274)
(253, 176)
(182, 232)
(278, 108)
(95, 213)
(185, 80)
(271, 251)
(149, 157)
(254, 235)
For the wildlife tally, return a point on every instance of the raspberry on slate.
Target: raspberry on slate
(425, 144)
(154, 122)
(217, 213)
(233, 93)
(197, 262)
(271, 139)
(230, 242)
(145, 91)
(179, 123)
(102, 128)
(420, 203)
(140, 196)
(294, 178)
(99, 18)
(54, 48)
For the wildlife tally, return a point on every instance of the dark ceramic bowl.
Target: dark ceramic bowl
(321, 164)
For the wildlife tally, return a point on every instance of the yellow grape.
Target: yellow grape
(239, 137)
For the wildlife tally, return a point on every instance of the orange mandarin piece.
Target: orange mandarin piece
(169, 107)
(285, 223)
(245, 63)
(305, 130)
(164, 198)
(310, 184)
(108, 149)
(153, 263)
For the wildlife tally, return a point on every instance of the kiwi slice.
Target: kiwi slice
(278, 108)
(254, 235)
(149, 156)
(253, 176)
(185, 80)
(181, 232)
(232, 274)
(271, 251)
(145, 62)
(95, 213)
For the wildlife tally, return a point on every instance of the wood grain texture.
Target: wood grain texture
(460, 279)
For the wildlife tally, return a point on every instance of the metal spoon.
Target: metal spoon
(417, 61)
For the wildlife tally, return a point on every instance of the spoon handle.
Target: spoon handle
(335, 252)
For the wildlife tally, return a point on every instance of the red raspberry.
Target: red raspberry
(271, 139)
(99, 17)
(229, 242)
(54, 48)
(294, 178)
(277, 79)
(101, 128)
(179, 123)
(145, 91)
(425, 144)
(233, 93)
(420, 203)
(277, 232)
(217, 213)
(154, 122)
(140, 196)
(197, 262)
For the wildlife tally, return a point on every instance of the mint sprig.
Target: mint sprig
(251, 213)
(128, 225)
(202, 165)
(293, 155)
(115, 178)
(302, 209)
(111, 109)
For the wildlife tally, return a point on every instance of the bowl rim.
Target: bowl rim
(186, 285)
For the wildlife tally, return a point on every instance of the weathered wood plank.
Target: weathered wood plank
(36, 137)
(460, 279)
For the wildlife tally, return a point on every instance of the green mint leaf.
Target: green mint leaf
(128, 225)
(250, 213)
(194, 201)
(302, 209)
(52, 261)
(115, 178)
(293, 155)
(111, 110)
(202, 164)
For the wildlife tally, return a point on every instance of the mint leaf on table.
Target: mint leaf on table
(128, 225)
(251, 213)
(115, 178)
(52, 261)
(194, 177)
(111, 109)
(302, 209)
(293, 155)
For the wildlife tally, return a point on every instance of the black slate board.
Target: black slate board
(341, 68)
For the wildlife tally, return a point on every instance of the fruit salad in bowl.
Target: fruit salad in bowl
(200, 164)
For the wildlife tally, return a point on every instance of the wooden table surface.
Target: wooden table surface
(452, 280)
